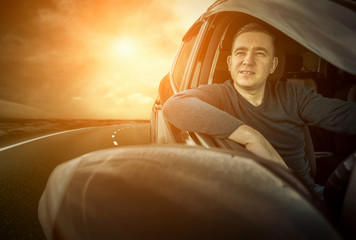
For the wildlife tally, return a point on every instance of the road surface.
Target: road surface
(24, 170)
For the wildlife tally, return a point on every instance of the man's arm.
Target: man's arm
(256, 143)
(329, 113)
(190, 113)
(198, 111)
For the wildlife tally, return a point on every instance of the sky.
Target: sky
(88, 59)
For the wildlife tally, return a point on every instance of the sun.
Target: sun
(122, 47)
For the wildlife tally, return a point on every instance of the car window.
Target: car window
(220, 72)
(182, 61)
(203, 49)
(211, 47)
(229, 25)
(203, 65)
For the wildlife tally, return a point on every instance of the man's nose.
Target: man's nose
(249, 59)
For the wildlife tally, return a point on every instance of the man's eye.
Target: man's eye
(239, 53)
(260, 54)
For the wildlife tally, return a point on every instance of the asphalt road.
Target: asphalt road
(24, 171)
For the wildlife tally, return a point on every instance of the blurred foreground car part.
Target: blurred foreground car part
(175, 192)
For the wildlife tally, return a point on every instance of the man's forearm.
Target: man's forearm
(256, 143)
(195, 115)
(192, 114)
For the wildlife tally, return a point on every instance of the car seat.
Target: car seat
(292, 66)
(293, 73)
(345, 144)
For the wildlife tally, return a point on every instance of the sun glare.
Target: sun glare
(123, 47)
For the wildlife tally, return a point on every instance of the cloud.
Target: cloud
(78, 98)
(139, 98)
(55, 55)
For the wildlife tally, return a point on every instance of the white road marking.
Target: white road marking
(53, 134)
(123, 127)
(117, 131)
(38, 138)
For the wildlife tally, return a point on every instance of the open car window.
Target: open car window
(204, 64)
(186, 52)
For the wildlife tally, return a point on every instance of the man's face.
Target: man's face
(252, 60)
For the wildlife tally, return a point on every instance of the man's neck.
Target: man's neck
(253, 96)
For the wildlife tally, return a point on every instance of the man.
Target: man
(266, 117)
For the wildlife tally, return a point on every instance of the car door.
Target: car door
(173, 82)
(208, 69)
(195, 64)
(192, 67)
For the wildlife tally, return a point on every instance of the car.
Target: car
(316, 50)
(187, 185)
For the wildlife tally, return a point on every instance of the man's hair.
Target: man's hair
(256, 27)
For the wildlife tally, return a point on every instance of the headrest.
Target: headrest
(347, 93)
(294, 63)
(351, 95)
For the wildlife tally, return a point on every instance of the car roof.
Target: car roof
(325, 27)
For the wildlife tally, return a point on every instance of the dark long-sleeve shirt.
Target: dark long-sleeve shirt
(218, 110)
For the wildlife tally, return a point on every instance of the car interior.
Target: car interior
(324, 149)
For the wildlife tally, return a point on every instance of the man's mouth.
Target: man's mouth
(247, 72)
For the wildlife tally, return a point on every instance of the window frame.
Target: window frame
(209, 64)
(196, 30)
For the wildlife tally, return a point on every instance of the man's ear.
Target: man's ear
(228, 60)
(274, 64)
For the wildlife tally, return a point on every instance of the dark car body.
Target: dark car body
(317, 42)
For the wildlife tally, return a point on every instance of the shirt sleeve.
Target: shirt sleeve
(329, 113)
(201, 110)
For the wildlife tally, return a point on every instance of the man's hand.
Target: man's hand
(256, 143)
